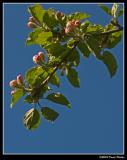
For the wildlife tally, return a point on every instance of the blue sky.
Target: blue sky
(95, 122)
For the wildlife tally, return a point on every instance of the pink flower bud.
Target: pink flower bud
(31, 25)
(12, 92)
(41, 56)
(69, 24)
(67, 30)
(13, 83)
(62, 14)
(77, 23)
(36, 59)
(19, 79)
(31, 19)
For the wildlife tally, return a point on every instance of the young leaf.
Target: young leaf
(84, 49)
(37, 12)
(55, 49)
(32, 38)
(43, 38)
(78, 16)
(72, 76)
(110, 62)
(49, 114)
(105, 9)
(31, 119)
(114, 10)
(35, 75)
(59, 98)
(38, 36)
(16, 96)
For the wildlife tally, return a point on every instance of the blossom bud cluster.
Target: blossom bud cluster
(16, 83)
(39, 58)
(71, 25)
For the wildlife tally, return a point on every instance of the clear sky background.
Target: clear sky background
(95, 122)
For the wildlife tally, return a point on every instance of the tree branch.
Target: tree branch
(56, 67)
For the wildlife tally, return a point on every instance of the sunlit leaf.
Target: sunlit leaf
(78, 16)
(38, 36)
(37, 12)
(31, 119)
(16, 96)
(36, 75)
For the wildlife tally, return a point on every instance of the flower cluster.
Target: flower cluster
(71, 25)
(39, 58)
(31, 23)
(16, 83)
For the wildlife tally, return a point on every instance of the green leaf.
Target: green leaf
(84, 25)
(59, 98)
(110, 62)
(78, 16)
(49, 114)
(28, 99)
(55, 49)
(35, 75)
(71, 43)
(84, 49)
(93, 29)
(32, 119)
(38, 36)
(93, 45)
(43, 37)
(72, 76)
(49, 18)
(114, 39)
(74, 57)
(55, 80)
(105, 9)
(37, 12)
(33, 36)
(16, 96)
(120, 13)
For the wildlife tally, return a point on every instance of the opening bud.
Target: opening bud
(13, 83)
(19, 79)
(12, 92)
(31, 25)
(41, 56)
